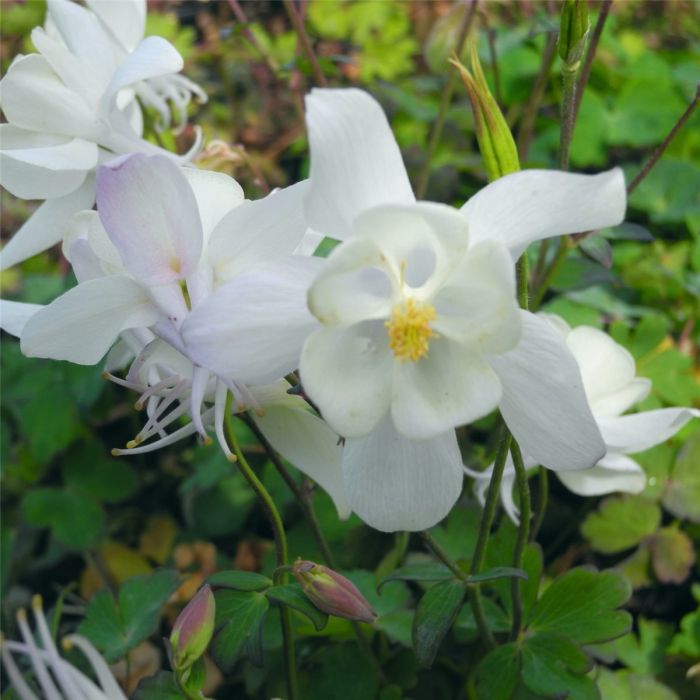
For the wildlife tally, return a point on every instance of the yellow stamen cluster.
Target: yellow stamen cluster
(410, 331)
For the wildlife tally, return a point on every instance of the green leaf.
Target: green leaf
(418, 572)
(496, 619)
(497, 674)
(340, 672)
(75, 519)
(115, 627)
(582, 604)
(238, 615)
(290, 594)
(398, 626)
(645, 653)
(435, 614)
(497, 573)
(625, 685)
(620, 523)
(672, 555)
(162, 686)
(682, 494)
(553, 666)
(240, 580)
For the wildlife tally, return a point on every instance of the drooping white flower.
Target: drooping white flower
(612, 388)
(56, 678)
(74, 104)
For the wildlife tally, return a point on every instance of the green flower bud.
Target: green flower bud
(573, 32)
(495, 139)
(332, 593)
(193, 630)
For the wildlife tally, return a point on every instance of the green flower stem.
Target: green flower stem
(542, 498)
(445, 100)
(442, 555)
(484, 532)
(305, 43)
(304, 497)
(567, 115)
(564, 244)
(522, 272)
(523, 534)
(281, 554)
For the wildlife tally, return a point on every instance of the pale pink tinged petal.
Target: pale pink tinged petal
(309, 444)
(150, 213)
(531, 205)
(47, 225)
(154, 56)
(43, 166)
(477, 306)
(447, 388)
(544, 403)
(614, 473)
(15, 314)
(620, 401)
(86, 225)
(640, 431)
(86, 265)
(355, 284)
(84, 36)
(252, 329)
(606, 367)
(355, 160)
(124, 20)
(260, 231)
(422, 241)
(347, 373)
(35, 98)
(76, 74)
(216, 195)
(82, 324)
(394, 483)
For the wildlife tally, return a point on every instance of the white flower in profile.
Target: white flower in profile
(420, 331)
(77, 103)
(612, 388)
(56, 678)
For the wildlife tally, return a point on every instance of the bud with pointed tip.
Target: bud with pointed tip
(193, 629)
(495, 139)
(573, 32)
(332, 593)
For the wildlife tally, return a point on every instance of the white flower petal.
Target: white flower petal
(448, 388)
(35, 98)
(153, 57)
(640, 431)
(394, 483)
(544, 403)
(216, 194)
(125, 20)
(46, 226)
(531, 205)
(252, 329)
(477, 305)
(308, 443)
(150, 213)
(81, 325)
(260, 231)
(15, 314)
(347, 373)
(43, 166)
(84, 36)
(614, 473)
(355, 160)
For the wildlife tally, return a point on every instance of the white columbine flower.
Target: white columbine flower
(608, 372)
(74, 104)
(56, 678)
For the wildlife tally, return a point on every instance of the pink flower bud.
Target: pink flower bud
(332, 593)
(193, 629)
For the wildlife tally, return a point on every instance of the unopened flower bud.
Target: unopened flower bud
(495, 139)
(332, 593)
(193, 629)
(573, 32)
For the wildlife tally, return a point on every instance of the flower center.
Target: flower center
(409, 330)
